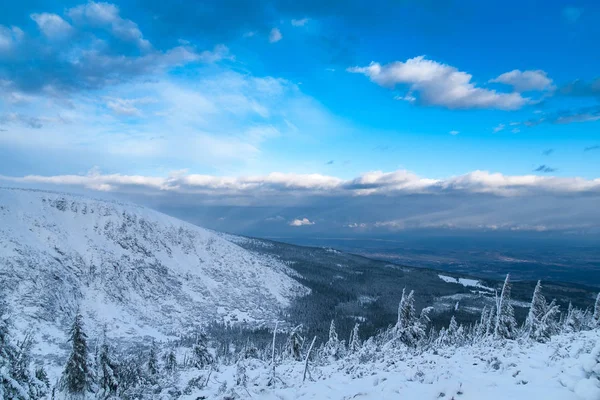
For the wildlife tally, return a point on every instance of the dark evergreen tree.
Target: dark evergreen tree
(201, 357)
(107, 370)
(76, 379)
(153, 368)
(170, 361)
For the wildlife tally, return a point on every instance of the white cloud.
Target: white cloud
(499, 128)
(439, 85)
(107, 16)
(524, 81)
(275, 35)
(454, 133)
(127, 107)
(362, 225)
(52, 25)
(301, 222)
(370, 183)
(9, 38)
(299, 22)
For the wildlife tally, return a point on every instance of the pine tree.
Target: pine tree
(333, 348)
(479, 331)
(153, 361)
(506, 325)
(409, 328)
(16, 380)
(294, 343)
(107, 370)
(170, 362)
(76, 376)
(490, 325)
(574, 320)
(354, 344)
(540, 323)
(201, 357)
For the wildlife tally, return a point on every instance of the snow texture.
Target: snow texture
(135, 270)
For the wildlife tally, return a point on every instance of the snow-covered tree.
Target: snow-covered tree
(480, 328)
(333, 349)
(596, 316)
(16, 378)
(541, 321)
(107, 370)
(575, 320)
(76, 379)
(506, 324)
(201, 357)
(153, 368)
(294, 343)
(409, 328)
(453, 336)
(354, 343)
(170, 361)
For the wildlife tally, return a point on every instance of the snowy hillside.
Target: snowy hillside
(138, 271)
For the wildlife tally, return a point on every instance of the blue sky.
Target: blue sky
(255, 99)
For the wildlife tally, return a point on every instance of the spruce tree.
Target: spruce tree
(506, 325)
(540, 323)
(107, 370)
(153, 361)
(76, 376)
(201, 357)
(295, 343)
(170, 362)
(333, 348)
(354, 343)
(409, 328)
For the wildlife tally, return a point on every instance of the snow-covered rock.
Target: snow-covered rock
(135, 270)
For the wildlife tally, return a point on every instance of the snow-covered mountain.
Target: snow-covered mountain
(135, 270)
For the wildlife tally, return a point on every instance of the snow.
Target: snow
(490, 370)
(140, 272)
(466, 282)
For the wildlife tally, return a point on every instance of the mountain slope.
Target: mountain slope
(136, 270)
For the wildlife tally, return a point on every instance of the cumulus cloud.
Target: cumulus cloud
(301, 222)
(275, 35)
(438, 84)
(107, 49)
(106, 15)
(299, 22)
(52, 25)
(10, 37)
(525, 81)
